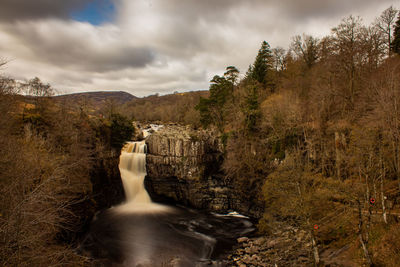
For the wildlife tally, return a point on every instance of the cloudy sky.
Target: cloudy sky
(155, 46)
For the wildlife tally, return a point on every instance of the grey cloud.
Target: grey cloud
(323, 9)
(12, 10)
(196, 25)
(218, 11)
(193, 10)
(80, 50)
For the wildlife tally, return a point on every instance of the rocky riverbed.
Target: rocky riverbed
(286, 247)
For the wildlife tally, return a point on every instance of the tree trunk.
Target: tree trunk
(383, 196)
(338, 161)
(363, 241)
(315, 250)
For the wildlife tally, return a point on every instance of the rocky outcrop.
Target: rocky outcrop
(184, 166)
(106, 180)
(286, 247)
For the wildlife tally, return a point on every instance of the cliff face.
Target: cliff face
(184, 166)
(106, 180)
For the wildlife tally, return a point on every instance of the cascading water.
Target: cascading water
(132, 166)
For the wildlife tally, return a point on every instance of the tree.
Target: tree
(44, 187)
(251, 107)
(122, 130)
(396, 40)
(2, 62)
(347, 44)
(7, 104)
(385, 86)
(232, 74)
(279, 58)
(373, 48)
(204, 108)
(306, 48)
(262, 65)
(110, 107)
(385, 24)
(213, 111)
(40, 93)
(36, 88)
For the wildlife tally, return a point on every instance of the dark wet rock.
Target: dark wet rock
(184, 166)
(106, 181)
(242, 239)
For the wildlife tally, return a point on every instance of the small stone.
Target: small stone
(242, 239)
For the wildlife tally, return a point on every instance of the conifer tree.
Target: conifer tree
(262, 65)
(212, 110)
(232, 74)
(396, 39)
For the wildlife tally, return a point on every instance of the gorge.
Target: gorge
(139, 232)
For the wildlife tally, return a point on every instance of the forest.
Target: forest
(312, 130)
(317, 127)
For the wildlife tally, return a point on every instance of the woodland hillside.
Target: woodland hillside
(316, 126)
(175, 108)
(52, 157)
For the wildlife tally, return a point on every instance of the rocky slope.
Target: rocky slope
(285, 247)
(184, 166)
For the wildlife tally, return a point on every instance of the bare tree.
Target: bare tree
(2, 62)
(385, 23)
(349, 58)
(278, 54)
(306, 47)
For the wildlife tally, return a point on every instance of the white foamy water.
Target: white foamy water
(132, 166)
(153, 128)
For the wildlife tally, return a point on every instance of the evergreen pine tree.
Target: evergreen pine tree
(251, 107)
(262, 65)
(212, 110)
(396, 40)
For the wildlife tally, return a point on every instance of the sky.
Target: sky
(155, 46)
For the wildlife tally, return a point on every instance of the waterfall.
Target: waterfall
(132, 166)
(140, 232)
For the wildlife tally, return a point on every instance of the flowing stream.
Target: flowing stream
(142, 233)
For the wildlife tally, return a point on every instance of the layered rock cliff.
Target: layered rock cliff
(184, 166)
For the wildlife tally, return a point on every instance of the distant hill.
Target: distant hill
(98, 99)
(176, 108)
